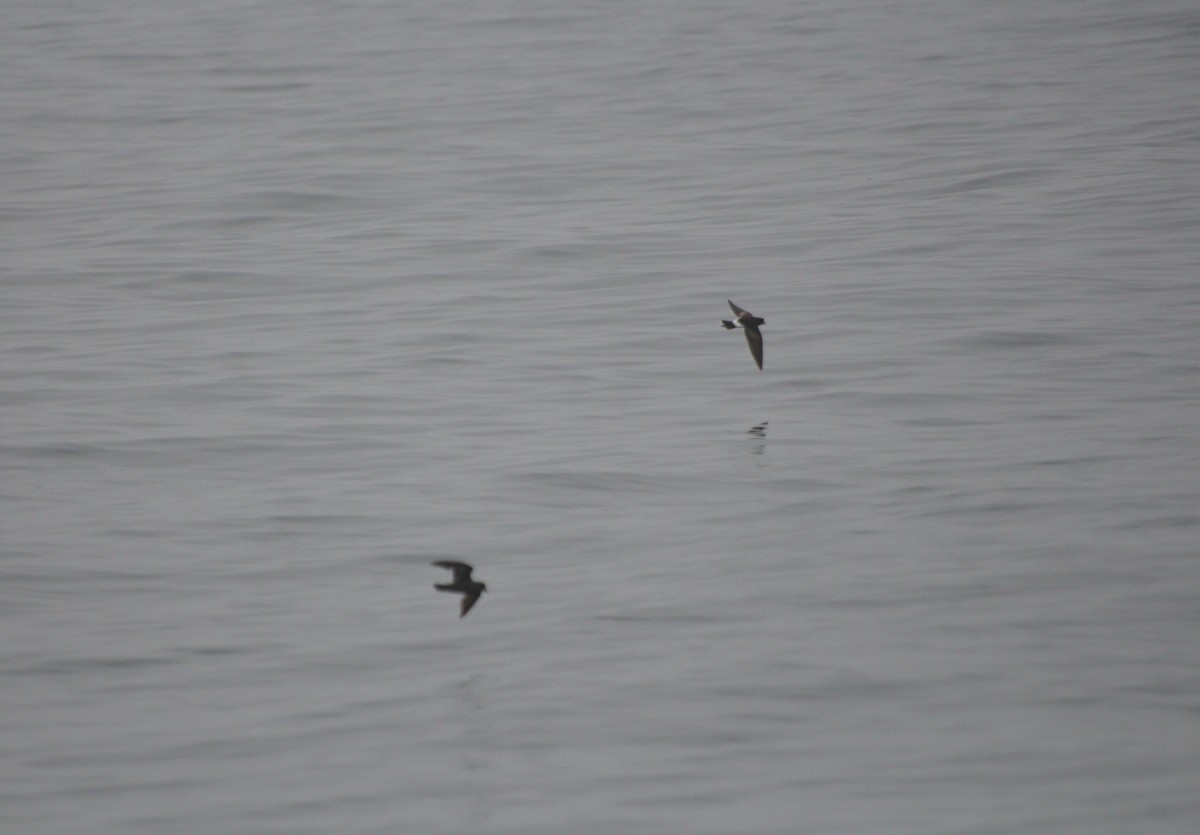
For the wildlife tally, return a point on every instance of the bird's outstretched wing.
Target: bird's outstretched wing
(468, 601)
(738, 310)
(754, 339)
(462, 571)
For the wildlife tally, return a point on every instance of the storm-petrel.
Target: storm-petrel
(463, 584)
(748, 322)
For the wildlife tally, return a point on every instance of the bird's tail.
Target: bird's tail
(728, 325)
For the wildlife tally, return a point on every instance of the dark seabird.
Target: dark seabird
(463, 584)
(748, 322)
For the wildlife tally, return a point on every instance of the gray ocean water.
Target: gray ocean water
(298, 297)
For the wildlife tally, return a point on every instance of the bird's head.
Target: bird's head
(482, 587)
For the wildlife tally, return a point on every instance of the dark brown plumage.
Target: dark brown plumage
(462, 584)
(750, 323)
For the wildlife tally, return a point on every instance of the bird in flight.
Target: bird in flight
(463, 584)
(750, 323)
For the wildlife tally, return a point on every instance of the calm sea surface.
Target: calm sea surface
(296, 297)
